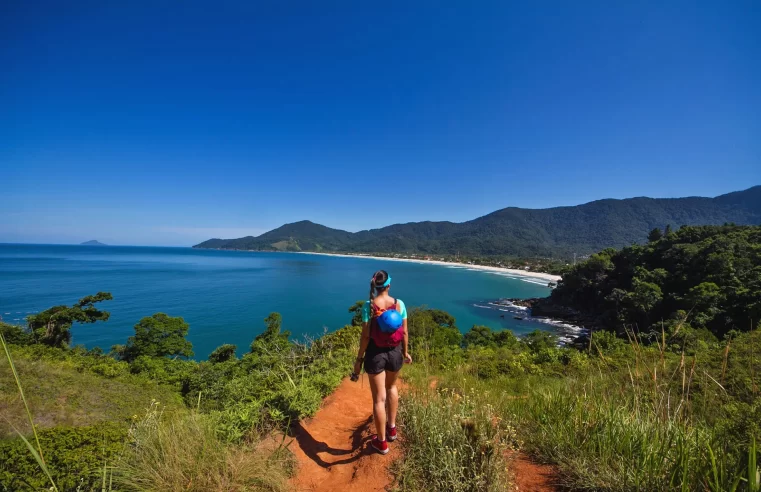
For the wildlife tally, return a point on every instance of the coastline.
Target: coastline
(512, 271)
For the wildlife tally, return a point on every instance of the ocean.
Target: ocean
(225, 295)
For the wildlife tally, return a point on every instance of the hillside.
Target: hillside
(517, 231)
(92, 242)
(677, 400)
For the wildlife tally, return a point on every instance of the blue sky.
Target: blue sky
(146, 123)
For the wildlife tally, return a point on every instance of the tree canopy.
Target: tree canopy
(53, 326)
(159, 335)
(706, 277)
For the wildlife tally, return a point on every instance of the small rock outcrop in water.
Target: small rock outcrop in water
(93, 242)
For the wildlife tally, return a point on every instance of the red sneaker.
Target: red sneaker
(378, 445)
(391, 433)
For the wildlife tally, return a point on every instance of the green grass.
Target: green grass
(60, 393)
(606, 427)
(451, 442)
(181, 452)
(164, 448)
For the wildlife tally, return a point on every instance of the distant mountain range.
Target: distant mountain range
(558, 231)
(92, 242)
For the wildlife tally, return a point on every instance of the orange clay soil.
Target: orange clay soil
(333, 448)
(529, 476)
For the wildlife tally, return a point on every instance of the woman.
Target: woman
(384, 353)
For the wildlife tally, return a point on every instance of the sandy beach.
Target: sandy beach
(511, 271)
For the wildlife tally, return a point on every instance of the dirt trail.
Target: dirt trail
(333, 448)
(334, 454)
(532, 477)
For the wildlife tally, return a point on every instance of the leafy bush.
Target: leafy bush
(223, 353)
(172, 372)
(15, 334)
(74, 455)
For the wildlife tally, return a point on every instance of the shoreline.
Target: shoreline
(512, 271)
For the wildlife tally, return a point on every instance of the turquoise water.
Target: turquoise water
(225, 295)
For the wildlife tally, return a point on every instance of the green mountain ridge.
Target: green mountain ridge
(557, 231)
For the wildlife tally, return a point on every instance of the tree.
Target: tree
(159, 335)
(272, 337)
(644, 297)
(668, 230)
(15, 334)
(705, 298)
(434, 327)
(442, 318)
(479, 335)
(505, 338)
(223, 353)
(654, 235)
(539, 340)
(711, 272)
(356, 311)
(53, 326)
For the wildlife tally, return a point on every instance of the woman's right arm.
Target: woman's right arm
(363, 342)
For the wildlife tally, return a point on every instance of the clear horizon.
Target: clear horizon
(140, 124)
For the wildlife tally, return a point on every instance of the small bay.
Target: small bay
(224, 295)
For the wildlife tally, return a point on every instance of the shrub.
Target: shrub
(74, 455)
(223, 353)
(15, 334)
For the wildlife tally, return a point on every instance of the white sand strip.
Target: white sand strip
(522, 273)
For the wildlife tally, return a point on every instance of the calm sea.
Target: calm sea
(224, 295)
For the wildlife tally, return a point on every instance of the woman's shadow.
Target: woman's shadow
(312, 447)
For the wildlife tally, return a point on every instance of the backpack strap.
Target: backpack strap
(375, 309)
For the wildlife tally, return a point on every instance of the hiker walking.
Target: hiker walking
(383, 349)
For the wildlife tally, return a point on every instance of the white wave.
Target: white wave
(559, 324)
(537, 282)
(508, 304)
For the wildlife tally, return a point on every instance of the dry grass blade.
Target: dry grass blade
(37, 453)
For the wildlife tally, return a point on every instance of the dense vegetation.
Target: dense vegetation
(150, 415)
(622, 416)
(695, 283)
(672, 404)
(560, 231)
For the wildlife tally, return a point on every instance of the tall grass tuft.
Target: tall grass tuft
(181, 452)
(37, 453)
(603, 442)
(451, 443)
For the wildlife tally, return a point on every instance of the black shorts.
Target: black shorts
(379, 359)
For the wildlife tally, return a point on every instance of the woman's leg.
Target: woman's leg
(378, 389)
(392, 397)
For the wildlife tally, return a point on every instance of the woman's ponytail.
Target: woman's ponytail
(377, 283)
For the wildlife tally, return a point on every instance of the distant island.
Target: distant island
(93, 242)
(559, 232)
